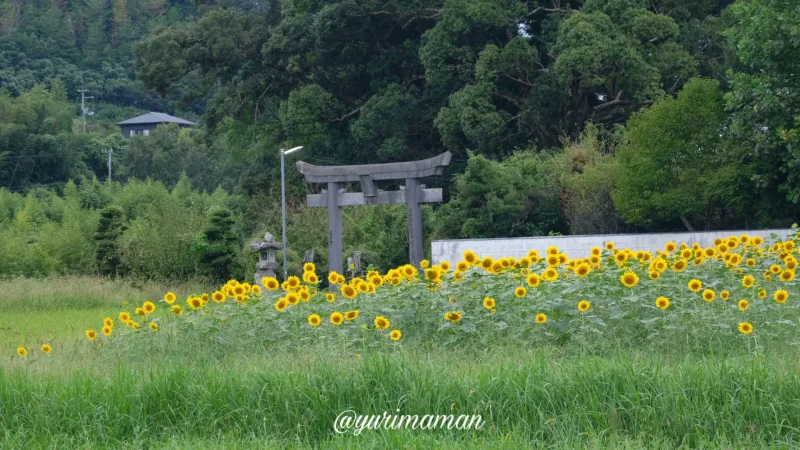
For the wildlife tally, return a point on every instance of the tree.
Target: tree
(217, 245)
(675, 164)
(501, 199)
(110, 228)
(765, 98)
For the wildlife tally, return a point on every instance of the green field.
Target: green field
(183, 392)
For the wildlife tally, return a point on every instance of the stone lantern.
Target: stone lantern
(267, 263)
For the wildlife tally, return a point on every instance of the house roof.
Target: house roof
(155, 117)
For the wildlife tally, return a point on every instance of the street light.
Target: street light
(283, 207)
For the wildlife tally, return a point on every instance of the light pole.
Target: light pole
(283, 207)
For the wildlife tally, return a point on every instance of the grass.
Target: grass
(168, 391)
(530, 398)
(60, 309)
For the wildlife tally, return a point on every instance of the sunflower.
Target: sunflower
(395, 335)
(609, 246)
(781, 296)
(757, 241)
(787, 275)
(255, 288)
(470, 257)
(550, 274)
(351, 315)
(169, 298)
(177, 310)
(314, 320)
(309, 267)
(541, 318)
(124, 317)
(381, 323)
(743, 305)
(153, 326)
(662, 303)
(669, 247)
(46, 349)
(433, 275)
(709, 295)
(747, 281)
(654, 274)
(349, 292)
(270, 283)
(330, 297)
(745, 328)
(750, 262)
(679, 265)
(444, 265)
(661, 265)
(311, 278)
(620, 258)
(453, 316)
(487, 263)
(195, 303)
(762, 294)
(305, 296)
(292, 298)
(489, 303)
(583, 306)
(629, 279)
(533, 280)
(218, 297)
(553, 260)
(462, 266)
(239, 290)
(149, 307)
(776, 269)
(293, 282)
(107, 322)
(695, 285)
(22, 351)
(281, 304)
(582, 270)
(140, 312)
(107, 331)
(724, 295)
(336, 318)
(520, 292)
(91, 334)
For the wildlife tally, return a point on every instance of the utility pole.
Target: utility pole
(110, 153)
(84, 110)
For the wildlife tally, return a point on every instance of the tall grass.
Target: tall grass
(528, 398)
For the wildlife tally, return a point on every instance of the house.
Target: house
(142, 125)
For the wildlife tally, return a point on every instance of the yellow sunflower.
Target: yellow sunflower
(583, 306)
(382, 323)
(351, 315)
(629, 279)
(745, 328)
(46, 349)
(336, 318)
(453, 316)
(695, 285)
(781, 296)
(662, 303)
(709, 295)
(395, 335)
(743, 305)
(91, 335)
(22, 351)
(169, 298)
(541, 318)
(489, 303)
(314, 320)
(520, 292)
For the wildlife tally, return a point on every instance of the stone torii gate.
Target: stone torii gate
(413, 194)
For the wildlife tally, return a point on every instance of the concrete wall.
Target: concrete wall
(579, 246)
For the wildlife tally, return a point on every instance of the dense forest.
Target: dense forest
(564, 116)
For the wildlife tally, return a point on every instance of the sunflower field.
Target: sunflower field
(742, 288)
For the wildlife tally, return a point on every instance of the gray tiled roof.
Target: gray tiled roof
(155, 117)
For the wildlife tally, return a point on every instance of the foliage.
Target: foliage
(109, 229)
(217, 245)
(675, 161)
(764, 100)
(507, 198)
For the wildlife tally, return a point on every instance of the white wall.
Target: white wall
(579, 246)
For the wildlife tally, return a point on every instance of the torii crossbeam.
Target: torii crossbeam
(413, 194)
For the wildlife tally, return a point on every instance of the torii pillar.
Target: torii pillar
(413, 195)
